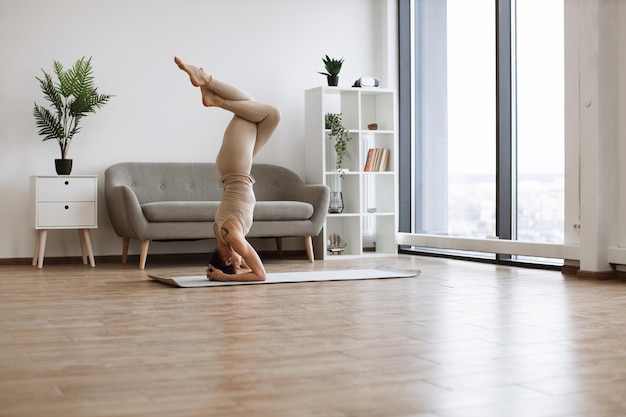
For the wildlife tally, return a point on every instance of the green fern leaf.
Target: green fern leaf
(50, 127)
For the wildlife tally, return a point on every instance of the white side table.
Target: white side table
(65, 202)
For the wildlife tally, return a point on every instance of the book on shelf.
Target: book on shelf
(377, 159)
(384, 160)
(369, 159)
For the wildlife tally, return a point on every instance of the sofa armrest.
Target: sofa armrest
(125, 212)
(318, 196)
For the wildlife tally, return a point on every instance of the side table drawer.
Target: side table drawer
(66, 214)
(66, 189)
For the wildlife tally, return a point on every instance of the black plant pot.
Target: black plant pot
(333, 80)
(63, 166)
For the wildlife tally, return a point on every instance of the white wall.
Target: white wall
(272, 49)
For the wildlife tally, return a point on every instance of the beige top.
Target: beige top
(237, 202)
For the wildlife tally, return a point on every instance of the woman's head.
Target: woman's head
(218, 262)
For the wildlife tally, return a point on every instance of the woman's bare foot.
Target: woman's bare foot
(201, 79)
(209, 98)
(197, 76)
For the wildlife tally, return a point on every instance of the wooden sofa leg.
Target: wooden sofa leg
(308, 242)
(143, 255)
(279, 246)
(125, 244)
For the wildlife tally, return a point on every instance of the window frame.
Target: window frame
(505, 247)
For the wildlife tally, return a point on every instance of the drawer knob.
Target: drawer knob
(67, 207)
(67, 183)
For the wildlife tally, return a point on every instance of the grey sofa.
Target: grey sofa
(178, 201)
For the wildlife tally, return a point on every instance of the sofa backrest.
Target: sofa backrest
(166, 181)
(276, 183)
(196, 181)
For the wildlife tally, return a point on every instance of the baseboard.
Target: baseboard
(570, 270)
(596, 275)
(156, 258)
(575, 271)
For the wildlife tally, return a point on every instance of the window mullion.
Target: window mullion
(504, 124)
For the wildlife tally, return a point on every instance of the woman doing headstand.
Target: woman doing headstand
(249, 130)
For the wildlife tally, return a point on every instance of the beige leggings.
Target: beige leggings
(249, 130)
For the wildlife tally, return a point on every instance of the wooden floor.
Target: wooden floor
(462, 340)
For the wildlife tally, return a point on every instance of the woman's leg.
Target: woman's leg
(265, 116)
(243, 105)
(220, 94)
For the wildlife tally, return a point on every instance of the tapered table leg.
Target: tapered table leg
(87, 240)
(40, 248)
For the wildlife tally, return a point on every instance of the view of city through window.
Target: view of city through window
(538, 121)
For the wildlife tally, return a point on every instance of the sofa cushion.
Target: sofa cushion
(180, 211)
(194, 211)
(282, 210)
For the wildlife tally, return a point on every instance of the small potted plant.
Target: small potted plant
(333, 67)
(340, 135)
(71, 97)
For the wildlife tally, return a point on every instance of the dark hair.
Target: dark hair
(218, 262)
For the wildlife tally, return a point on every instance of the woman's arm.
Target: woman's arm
(256, 271)
(253, 267)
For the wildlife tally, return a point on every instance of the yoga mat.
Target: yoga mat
(194, 281)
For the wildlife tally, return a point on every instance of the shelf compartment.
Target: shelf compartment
(348, 228)
(377, 191)
(349, 187)
(344, 102)
(350, 162)
(379, 234)
(377, 107)
(381, 140)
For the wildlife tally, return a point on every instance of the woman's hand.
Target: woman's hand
(251, 268)
(214, 274)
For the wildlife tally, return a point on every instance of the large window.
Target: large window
(540, 120)
(481, 117)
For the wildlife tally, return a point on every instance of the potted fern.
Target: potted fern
(71, 97)
(333, 67)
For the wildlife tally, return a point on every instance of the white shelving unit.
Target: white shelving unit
(368, 223)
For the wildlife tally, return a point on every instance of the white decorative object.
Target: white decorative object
(336, 244)
(367, 82)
